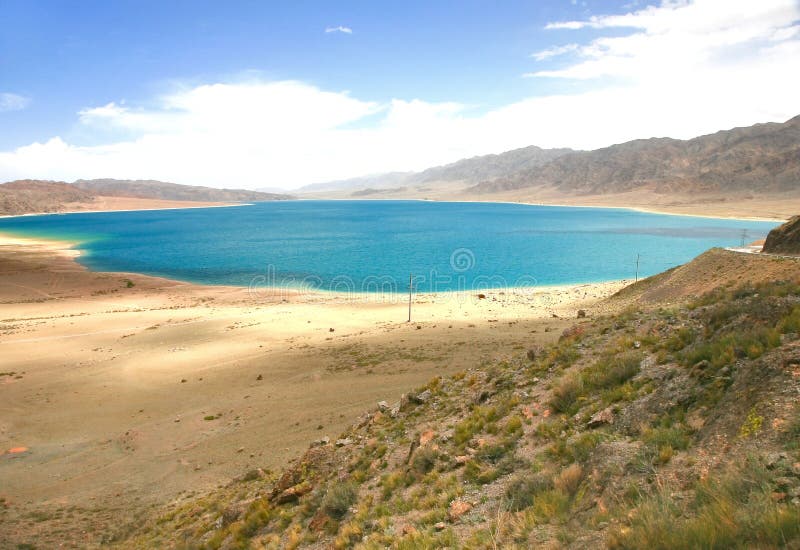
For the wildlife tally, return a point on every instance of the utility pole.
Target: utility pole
(410, 290)
(637, 268)
(744, 236)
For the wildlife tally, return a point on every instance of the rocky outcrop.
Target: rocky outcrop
(784, 239)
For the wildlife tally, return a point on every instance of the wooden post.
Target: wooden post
(410, 290)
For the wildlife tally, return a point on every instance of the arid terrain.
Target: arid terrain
(121, 392)
(672, 423)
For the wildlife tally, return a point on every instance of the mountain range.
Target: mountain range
(750, 171)
(757, 163)
(33, 196)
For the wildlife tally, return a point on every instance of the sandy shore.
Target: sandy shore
(124, 391)
(774, 208)
(125, 204)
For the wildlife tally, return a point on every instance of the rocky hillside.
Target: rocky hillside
(150, 189)
(488, 167)
(34, 196)
(764, 158)
(757, 163)
(467, 171)
(657, 427)
(784, 239)
(23, 196)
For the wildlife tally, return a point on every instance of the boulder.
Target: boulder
(572, 332)
(457, 509)
(426, 437)
(606, 416)
(420, 398)
(319, 521)
(293, 493)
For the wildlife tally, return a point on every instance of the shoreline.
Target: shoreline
(129, 390)
(641, 209)
(31, 214)
(68, 249)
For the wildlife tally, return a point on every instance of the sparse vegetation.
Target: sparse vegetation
(604, 439)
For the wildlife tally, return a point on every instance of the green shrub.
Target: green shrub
(566, 393)
(551, 505)
(523, 490)
(674, 437)
(732, 510)
(569, 479)
(424, 460)
(791, 323)
(613, 371)
(338, 499)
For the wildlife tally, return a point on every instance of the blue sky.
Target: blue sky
(405, 69)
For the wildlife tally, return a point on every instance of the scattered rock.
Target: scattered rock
(319, 521)
(457, 509)
(259, 377)
(581, 313)
(572, 332)
(293, 493)
(606, 416)
(321, 442)
(773, 459)
(420, 398)
(426, 437)
(383, 406)
(440, 526)
(344, 442)
(481, 396)
(481, 296)
(409, 530)
(331, 330)
(229, 515)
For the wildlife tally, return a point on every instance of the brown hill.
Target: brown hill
(467, 171)
(24, 196)
(152, 189)
(764, 158)
(36, 196)
(784, 239)
(716, 268)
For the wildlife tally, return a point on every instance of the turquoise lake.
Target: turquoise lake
(375, 245)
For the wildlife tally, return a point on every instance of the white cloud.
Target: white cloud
(13, 102)
(345, 30)
(680, 38)
(675, 73)
(554, 51)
